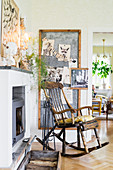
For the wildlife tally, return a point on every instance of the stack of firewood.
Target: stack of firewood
(41, 160)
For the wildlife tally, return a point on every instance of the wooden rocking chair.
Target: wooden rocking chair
(65, 118)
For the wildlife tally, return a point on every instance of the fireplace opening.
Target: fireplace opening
(18, 114)
(19, 123)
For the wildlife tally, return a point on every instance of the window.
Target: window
(97, 80)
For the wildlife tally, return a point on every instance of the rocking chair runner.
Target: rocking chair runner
(64, 118)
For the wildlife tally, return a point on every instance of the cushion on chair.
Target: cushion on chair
(84, 118)
(69, 120)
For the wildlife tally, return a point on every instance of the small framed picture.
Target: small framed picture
(79, 78)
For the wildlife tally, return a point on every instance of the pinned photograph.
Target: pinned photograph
(47, 47)
(66, 76)
(60, 57)
(55, 74)
(73, 63)
(64, 50)
(79, 78)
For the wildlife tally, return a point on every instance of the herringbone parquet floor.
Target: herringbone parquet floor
(101, 159)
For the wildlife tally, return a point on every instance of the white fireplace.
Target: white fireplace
(10, 78)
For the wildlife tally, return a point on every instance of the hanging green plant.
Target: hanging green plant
(102, 68)
(95, 67)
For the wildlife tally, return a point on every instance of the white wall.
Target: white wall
(0, 23)
(86, 15)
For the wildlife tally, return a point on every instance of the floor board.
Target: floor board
(101, 159)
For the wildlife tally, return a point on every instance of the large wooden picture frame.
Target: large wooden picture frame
(68, 37)
(10, 24)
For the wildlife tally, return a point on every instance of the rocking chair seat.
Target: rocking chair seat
(67, 121)
(86, 122)
(84, 118)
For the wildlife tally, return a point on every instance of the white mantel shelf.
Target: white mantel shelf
(15, 69)
(12, 77)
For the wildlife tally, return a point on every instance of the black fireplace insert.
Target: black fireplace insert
(18, 119)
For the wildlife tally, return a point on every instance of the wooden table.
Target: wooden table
(96, 103)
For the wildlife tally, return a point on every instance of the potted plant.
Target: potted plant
(35, 63)
(103, 70)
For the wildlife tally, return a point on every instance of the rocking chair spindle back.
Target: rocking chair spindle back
(56, 93)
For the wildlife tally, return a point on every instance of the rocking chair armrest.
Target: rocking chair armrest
(85, 107)
(63, 111)
(66, 110)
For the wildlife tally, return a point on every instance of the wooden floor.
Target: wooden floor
(101, 159)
